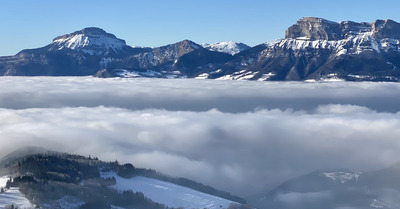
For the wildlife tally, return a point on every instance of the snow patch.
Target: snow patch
(342, 177)
(225, 77)
(359, 76)
(377, 204)
(273, 43)
(240, 75)
(202, 76)
(3, 181)
(266, 76)
(310, 81)
(216, 71)
(332, 77)
(136, 74)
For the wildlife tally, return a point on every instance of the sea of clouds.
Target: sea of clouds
(240, 136)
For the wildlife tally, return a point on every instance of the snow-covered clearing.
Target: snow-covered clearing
(14, 196)
(169, 194)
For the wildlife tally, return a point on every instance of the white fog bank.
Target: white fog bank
(192, 95)
(239, 152)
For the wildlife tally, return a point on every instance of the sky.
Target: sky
(221, 133)
(31, 24)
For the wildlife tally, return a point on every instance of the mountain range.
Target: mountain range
(313, 49)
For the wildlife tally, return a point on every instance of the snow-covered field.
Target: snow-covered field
(12, 196)
(169, 194)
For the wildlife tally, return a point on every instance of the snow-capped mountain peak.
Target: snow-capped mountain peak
(229, 47)
(89, 40)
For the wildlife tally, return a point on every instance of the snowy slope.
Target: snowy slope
(169, 194)
(229, 47)
(12, 196)
(353, 44)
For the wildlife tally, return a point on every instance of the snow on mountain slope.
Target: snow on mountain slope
(342, 37)
(241, 75)
(136, 74)
(169, 194)
(89, 40)
(352, 45)
(342, 177)
(12, 196)
(229, 47)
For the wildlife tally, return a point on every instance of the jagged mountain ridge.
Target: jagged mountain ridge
(313, 49)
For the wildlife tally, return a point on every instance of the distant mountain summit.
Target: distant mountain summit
(229, 47)
(314, 49)
(93, 41)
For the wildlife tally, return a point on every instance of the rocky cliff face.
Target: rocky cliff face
(310, 28)
(318, 49)
(386, 29)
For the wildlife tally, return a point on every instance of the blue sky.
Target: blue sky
(31, 24)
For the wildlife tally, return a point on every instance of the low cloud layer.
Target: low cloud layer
(192, 95)
(241, 152)
(238, 136)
